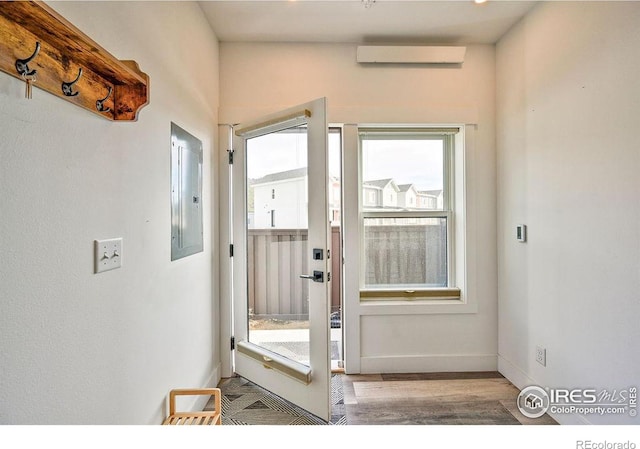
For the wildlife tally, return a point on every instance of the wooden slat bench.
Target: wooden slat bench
(205, 418)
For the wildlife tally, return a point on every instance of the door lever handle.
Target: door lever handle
(317, 276)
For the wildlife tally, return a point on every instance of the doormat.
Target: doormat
(245, 403)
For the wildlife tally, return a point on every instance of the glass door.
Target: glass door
(281, 242)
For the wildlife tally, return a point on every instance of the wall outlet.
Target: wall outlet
(541, 356)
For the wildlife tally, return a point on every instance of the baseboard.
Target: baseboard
(212, 382)
(216, 375)
(515, 375)
(521, 380)
(427, 363)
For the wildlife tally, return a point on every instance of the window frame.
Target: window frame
(448, 137)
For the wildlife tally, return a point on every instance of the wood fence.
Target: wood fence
(276, 258)
(406, 254)
(400, 254)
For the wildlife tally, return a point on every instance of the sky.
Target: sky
(416, 162)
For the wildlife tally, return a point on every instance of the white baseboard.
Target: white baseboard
(521, 380)
(515, 375)
(212, 382)
(427, 363)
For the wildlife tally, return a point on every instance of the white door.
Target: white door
(280, 270)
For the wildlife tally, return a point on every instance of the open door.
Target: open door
(281, 255)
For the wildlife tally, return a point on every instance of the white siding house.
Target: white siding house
(430, 199)
(371, 196)
(407, 196)
(380, 193)
(280, 200)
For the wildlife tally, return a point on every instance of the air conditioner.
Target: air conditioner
(410, 54)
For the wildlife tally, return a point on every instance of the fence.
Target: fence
(399, 254)
(406, 254)
(276, 258)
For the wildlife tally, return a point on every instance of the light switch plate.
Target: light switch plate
(521, 233)
(107, 254)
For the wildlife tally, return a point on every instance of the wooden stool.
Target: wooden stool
(205, 418)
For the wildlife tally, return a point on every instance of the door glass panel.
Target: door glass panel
(277, 250)
(334, 147)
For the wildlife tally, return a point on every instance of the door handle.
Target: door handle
(317, 276)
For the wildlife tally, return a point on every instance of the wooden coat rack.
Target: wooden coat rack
(42, 48)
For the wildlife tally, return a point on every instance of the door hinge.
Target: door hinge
(328, 276)
(233, 343)
(231, 250)
(230, 156)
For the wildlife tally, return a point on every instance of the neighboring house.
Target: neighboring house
(386, 193)
(334, 201)
(407, 196)
(371, 196)
(380, 193)
(280, 200)
(430, 199)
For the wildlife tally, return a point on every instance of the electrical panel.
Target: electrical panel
(186, 193)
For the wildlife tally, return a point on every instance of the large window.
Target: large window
(407, 213)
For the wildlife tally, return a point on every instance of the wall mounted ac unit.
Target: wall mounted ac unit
(410, 54)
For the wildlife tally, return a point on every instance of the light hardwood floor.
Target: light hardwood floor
(433, 398)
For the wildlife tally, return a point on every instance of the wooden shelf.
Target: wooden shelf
(64, 50)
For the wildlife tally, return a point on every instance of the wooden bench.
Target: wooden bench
(204, 418)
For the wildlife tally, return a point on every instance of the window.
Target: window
(273, 194)
(407, 246)
(273, 218)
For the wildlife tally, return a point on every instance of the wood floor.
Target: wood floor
(433, 398)
(474, 398)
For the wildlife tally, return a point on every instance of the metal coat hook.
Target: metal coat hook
(100, 103)
(22, 64)
(67, 88)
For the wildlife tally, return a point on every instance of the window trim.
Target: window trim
(450, 293)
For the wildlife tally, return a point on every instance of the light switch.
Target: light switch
(107, 254)
(521, 233)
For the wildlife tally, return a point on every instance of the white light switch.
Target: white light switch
(521, 233)
(107, 254)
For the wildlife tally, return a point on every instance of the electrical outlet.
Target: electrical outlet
(541, 356)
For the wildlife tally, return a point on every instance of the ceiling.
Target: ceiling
(349, 21)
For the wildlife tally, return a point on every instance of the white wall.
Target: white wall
(568, 93)
(262, 78)
(78, 347)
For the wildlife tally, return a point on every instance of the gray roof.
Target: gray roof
(281, 176)
(380, 183)
(431, 192)
(404, 187)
